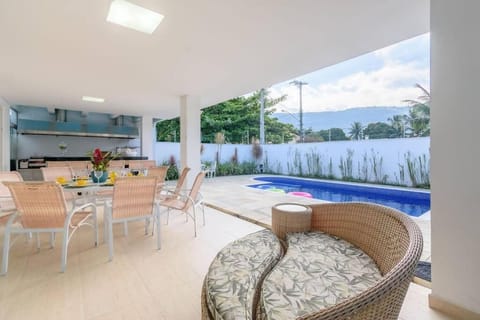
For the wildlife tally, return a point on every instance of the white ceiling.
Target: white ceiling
(53, 52)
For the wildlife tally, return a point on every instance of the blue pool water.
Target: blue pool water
(414, 203)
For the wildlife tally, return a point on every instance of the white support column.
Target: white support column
(5, 134)
(147, 137)
(190, 134)
(455, 154)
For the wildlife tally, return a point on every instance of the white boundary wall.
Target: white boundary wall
(292, 158)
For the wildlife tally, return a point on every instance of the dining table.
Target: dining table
(88, 190)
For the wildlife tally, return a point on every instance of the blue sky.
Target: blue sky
(384, 77)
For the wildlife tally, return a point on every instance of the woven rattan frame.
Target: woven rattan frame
(389, 237)
(284, 222)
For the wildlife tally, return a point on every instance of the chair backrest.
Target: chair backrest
(41, 204)
(6, 202)
(383, 233)
(147, 164)
(57, 163)
(141, 164)
(52, 173)
(133, 197)
(193, 194)
(8, 176)
(80, 168)
(120, 164)
(181, 181)
(159, 172)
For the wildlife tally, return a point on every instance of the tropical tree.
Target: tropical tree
(312, 136)
(419, 120)
(355, 132)
(379, 130)
(419, 114)
(333, 134)
(398, 123)
(238, 119)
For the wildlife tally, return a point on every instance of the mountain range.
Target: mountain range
(341, 119)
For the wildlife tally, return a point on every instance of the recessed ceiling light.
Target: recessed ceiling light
(134, 17)
(93, 99)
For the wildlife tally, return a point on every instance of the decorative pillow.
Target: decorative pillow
(317, 271)
(233, 279)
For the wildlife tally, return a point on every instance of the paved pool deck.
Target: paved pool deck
(231, 195)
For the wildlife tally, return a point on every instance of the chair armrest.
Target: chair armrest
(80, 209)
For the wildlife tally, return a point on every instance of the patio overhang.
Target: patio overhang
(56, 51)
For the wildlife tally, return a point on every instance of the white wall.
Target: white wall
(455, 114)
(391, 152)
(281, 157)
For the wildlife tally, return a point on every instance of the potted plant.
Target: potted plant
(100, 162)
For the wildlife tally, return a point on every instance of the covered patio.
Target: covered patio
(143, 283)
(204, 53)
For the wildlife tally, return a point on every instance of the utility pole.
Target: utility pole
(299, 84)
(262, 116)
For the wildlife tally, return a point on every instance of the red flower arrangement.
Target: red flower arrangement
(100, 160)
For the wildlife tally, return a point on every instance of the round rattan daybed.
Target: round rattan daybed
(389, 237)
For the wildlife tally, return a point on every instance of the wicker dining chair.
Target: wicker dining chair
(41, 207)
(184, 201)
(55, 172)
(7, 205)
(169, 192)
(161, 174)
(133, 199)
(52, 173)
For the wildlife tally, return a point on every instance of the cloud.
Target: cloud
(388, 85)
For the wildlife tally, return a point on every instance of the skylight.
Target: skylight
(93, 99)
(131, 16)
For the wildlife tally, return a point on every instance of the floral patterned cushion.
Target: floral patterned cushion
(234, 276)
(317, 271)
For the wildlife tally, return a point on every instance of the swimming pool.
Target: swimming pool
(414, 203)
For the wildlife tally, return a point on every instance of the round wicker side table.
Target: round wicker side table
(290, 217)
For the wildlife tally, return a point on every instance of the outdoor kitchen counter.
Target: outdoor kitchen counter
(88, 158)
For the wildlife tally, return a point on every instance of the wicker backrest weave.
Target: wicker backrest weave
(116, 164)
(80, 168)
(390, 238)
(159, 172)
(52, 173)
(57, 164)
(181, 180)
(41, 204)
(382, 233)
(141, 164)
(8, 176)
(193, 194)
(133, 197)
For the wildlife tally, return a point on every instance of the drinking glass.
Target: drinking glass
(98, 174)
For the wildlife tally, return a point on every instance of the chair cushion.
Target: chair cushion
(233, 279)
(317, 271)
